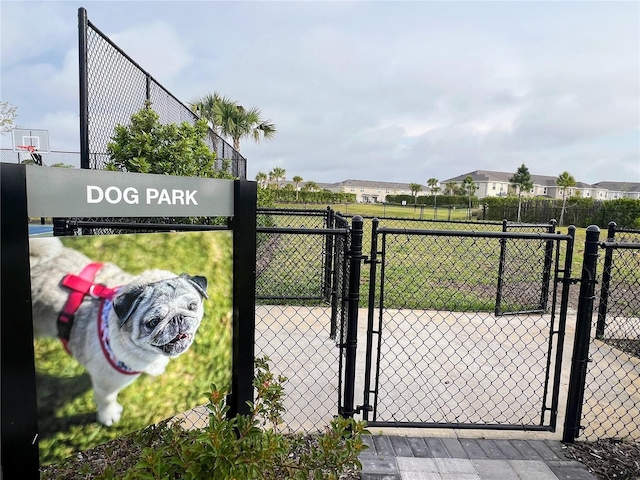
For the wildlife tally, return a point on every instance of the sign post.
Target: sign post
(31, 191)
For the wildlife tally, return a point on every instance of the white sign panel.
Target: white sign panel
(66, 192)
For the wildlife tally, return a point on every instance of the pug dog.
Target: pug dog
(121, 326)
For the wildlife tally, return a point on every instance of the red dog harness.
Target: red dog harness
(81, 286)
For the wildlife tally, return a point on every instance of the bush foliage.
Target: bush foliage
(147, 146)
(245, 447)
(580, 212)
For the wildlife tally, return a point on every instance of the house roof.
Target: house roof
(373, 184)
(489, 176)
(619, 186)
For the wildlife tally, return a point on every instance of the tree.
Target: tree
(469, 188)
(310, 186)
(521, 181)
(564, 180)
(297, 179)
(277, 174)
(415, 188)
(231, 120)
(7, 116)
(262, 179)
(450, 188)
(147, 146)
(432, 183)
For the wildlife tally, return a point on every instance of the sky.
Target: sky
(383, 91)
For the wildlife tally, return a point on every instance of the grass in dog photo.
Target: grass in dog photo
(180, 325)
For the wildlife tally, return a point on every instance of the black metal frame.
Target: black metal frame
(19, 455)
(19, 434)
(586, 413)
(562, 275)
(546, 270)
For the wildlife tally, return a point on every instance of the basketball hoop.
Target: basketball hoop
(26, 148)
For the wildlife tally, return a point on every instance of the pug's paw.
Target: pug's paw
(110, 414)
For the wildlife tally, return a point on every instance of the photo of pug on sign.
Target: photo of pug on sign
(116, 324)
(132, 335)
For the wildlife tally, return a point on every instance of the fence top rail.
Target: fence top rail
(475, 234)
(428, 220)
(620, 245)
(529, 225)
(306, 231)
(627, 230)
(291, 211)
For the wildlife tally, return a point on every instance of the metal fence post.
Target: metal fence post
(84, 87)
(503, 254)
(580, 356)
(244, 302)
(19, 426)
(328, 258)
(546, 271)
(606, 282)
(373, 261)
(351, 341)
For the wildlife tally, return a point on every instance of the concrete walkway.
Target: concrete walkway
(446, 458)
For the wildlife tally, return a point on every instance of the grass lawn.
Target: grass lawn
(66, 410)
(448, 273)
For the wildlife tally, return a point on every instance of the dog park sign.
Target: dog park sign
(94, 193)
(97, 196)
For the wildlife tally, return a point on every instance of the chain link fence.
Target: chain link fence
(611, 406)
(300, 304)
(443, 357)
(113, 87)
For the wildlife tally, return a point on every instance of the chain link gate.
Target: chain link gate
(302, 297)
(437, 355)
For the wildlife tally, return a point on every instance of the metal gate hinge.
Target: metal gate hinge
(364, 408)
(368, 261)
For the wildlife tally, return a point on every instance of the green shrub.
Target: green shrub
(246, 447)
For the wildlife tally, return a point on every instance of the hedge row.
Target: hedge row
(580, 212)
(303, 196)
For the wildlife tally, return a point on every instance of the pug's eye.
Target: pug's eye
(153, 323)
(193, 306)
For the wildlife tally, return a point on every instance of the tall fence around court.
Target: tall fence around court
(604, 398)
(113, 87)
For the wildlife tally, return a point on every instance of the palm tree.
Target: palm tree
(469, 187)
(564, 180)
(415, 188)
(297, 179)
(262, 179)
(432, 183)
(206, 107)
(236, 123)
(277, 174)
(450, 188)
(521, 181)
(229, 119)
(310, 186)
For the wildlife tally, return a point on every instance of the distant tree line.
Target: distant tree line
(580, 212)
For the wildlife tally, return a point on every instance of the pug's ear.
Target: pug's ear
(124, 305)
(197, 282)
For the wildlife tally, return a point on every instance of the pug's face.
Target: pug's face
(163, 316)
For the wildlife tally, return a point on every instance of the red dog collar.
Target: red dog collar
(81, 286)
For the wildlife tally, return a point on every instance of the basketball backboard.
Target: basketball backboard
(30, 140)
